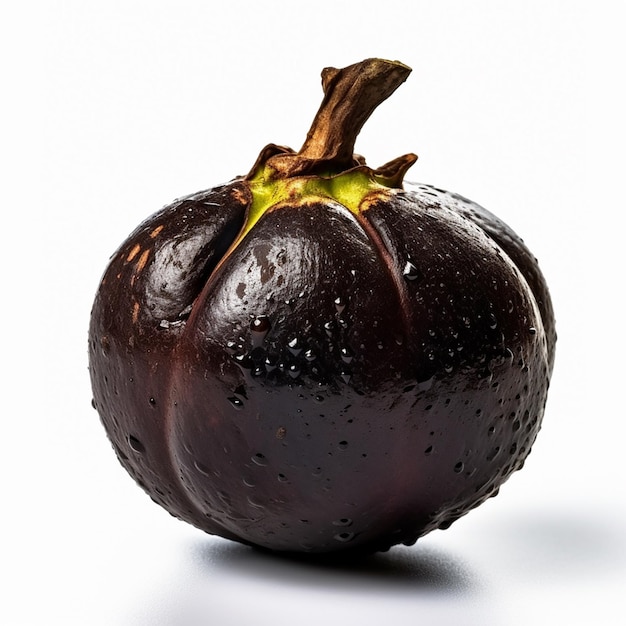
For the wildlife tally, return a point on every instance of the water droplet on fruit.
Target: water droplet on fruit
(259, 459)
(428, 450)
(294, 370)
(426, 384)
(346, 355)
(185, 313)
(201, 468)
(259, 328)
(344, 536)
(532, 330)
(458, 468)
(270, 362)
(410, 271)
(294, 346)
(236, 402)
(340, 304)
(309, 355)
(493, 454)
(282, 478)
(255, 504)
(342, 445)
(243, 361)
(231, 347)
(135, 444)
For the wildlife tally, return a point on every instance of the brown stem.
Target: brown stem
(350, 96)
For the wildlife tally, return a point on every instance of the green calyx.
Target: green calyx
(348, 188)
(354, 189)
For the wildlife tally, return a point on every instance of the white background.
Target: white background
(110, 110)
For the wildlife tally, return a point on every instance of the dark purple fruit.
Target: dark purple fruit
(315, 358)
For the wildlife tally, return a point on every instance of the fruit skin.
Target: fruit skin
(338, 379)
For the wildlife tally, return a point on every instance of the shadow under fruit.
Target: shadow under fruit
(318, 356)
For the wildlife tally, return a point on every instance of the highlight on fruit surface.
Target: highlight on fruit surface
(317, 356)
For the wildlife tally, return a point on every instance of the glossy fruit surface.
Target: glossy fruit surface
(317, 356)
